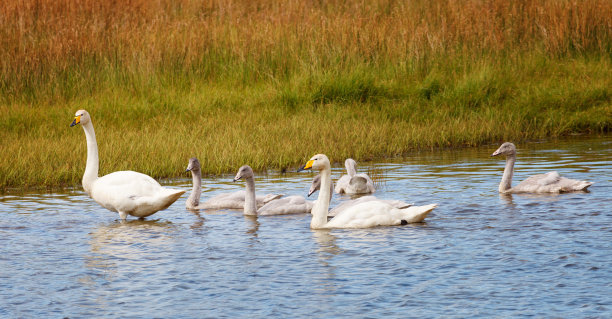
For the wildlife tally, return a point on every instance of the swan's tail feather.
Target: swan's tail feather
(583, 185)
(416, 214)
(170, 196)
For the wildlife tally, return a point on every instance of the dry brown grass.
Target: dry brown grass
(43, 39)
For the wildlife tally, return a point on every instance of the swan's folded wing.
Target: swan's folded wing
(233, 200)
(549, 178)
(264, 199)
(286, 205)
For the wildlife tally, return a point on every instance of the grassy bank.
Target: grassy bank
(270, 84)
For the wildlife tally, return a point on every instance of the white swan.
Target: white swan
(125, 192)
(233, 200)
(286, 205)
(550, 182)
(362, 215)
(354, 183)
(316, 185)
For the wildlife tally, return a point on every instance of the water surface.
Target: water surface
(480, 254)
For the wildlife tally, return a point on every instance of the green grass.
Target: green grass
(270, 83)
(154, 124)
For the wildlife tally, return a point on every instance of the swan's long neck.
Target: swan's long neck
(350, 168)
(506, 182)
(250, 204)
(91, 168)
(319, 211)
(196, 192)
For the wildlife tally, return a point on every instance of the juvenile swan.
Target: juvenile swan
(316, 185)
(550, 182)
(286, 205)
(233, 200)
(362, 215)
(126, 192)
(354, 183)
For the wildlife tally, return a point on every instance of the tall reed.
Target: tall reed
(237, 82)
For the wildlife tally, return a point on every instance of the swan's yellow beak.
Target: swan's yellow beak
(77, 120)
(307, 166)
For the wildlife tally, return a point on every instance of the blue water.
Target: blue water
(480, 254)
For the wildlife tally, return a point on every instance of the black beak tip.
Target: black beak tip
(302, 168)
(73, 123)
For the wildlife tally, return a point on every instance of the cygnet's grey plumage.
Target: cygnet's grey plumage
(316, 185)
(286, 205)
(233, 200)
(354, 183)
(550, 182)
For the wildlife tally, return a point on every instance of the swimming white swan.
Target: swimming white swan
(550, 182)
(316, 185)
(354, 183)
(233, 200)
(362, 215)
(125, 192)
(286, 205)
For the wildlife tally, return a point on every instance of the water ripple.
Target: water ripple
(480, 254)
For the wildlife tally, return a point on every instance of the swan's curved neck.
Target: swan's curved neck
(91, 168)
(506, 182)
(250, 204)
(350, 168)
(196, 192)
(319, 211)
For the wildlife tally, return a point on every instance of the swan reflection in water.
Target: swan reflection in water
(128, 242)
(252, 225)
(326, 283)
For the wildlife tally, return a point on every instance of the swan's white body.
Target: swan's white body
(282, 206)
(354, 183)
(350, 203)
(550, 182)
(125, 192)
(316, 185)
(233, 200)
(362, 215)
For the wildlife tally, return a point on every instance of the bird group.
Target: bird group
(139, 195)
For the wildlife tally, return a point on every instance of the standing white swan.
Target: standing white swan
(550, 182)
(354, 183)
(233, 200)
(286, 205)
(316, 185)
(363, 215)
(125, 192)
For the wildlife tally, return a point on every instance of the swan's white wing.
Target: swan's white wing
(378, 213)
(286, 205)
(365, 215)
(133, 193)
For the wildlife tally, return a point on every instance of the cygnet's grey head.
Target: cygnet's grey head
(315, 185)
(193, 166)
(245, 172)
(505, 149)
(81, 117)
